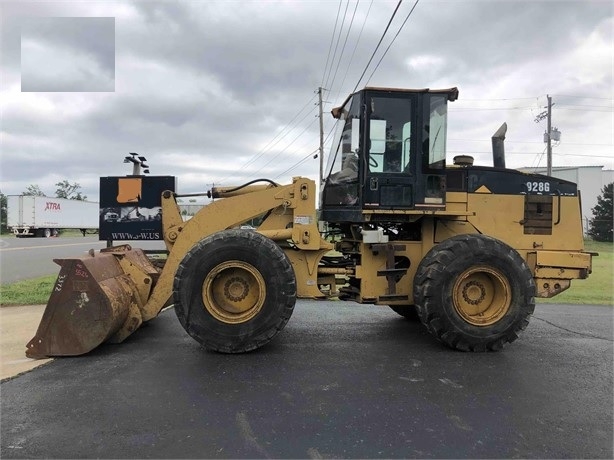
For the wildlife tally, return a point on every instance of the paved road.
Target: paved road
(341, 381)
(26, 258)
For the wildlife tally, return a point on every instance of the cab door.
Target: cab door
(391, 158)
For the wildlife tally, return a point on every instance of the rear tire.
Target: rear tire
(234, 291)
(47, 233)
(474, 293)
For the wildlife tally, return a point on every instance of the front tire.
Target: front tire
(474, 293)
(234, 291)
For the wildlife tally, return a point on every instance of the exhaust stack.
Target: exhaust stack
(498, 148)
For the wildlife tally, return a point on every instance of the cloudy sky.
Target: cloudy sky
(225, 91)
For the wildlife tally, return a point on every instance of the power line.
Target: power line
(272, 143)
(296, 165)
(279, 136)
(581, 143)
(332, 84)
(393, 39)
(306, 157)
(332, 39)
(526, 142)
(312, 153)
(539, 158)
(354, 50)
(587, 110)
(502, 99)
(580, 105)
(378, 45)
(582, 155)
(558, 105)
(283, 150)
(327, 71)
(528, 153)
(475, 109)
(347, 4)
(584, 97)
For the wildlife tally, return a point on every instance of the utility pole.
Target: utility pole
(549, 136)
(320, 114)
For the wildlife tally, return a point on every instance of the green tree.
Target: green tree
(602, 224)
(69, 191)
(33, 190)
(3, 227)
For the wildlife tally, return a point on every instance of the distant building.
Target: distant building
(590, 180)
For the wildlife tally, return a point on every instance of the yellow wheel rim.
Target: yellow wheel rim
(482, 296)
(234, 292)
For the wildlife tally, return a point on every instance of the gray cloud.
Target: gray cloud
(67, 54)
(201, 88)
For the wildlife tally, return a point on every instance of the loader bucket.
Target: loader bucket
(95, 299)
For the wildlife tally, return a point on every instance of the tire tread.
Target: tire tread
(275, 257)
(427, 282)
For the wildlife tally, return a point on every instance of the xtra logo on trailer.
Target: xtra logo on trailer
(50, 206)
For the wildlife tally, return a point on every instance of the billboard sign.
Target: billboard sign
(131, 207)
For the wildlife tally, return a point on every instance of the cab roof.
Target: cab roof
(452, 94)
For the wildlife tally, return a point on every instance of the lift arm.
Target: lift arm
(292, 204)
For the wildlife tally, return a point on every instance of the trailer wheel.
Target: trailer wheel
(474, 293)
(47, 233)
(234, 291)
(406, 311)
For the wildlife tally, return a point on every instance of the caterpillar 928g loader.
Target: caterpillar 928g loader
(465, 248)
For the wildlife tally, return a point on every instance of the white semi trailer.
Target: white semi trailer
(45, 216)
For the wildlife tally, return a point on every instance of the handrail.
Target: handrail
(558, 221)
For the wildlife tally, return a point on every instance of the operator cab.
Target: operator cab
(388, 153)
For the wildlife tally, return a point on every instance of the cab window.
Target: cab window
(390, 135)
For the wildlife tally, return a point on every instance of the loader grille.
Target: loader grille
(537, 215)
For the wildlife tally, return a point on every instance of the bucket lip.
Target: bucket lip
(95, 299)
(86, 308)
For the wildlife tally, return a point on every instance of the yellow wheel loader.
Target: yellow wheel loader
(464, 248)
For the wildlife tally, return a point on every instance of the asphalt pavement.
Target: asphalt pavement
(341, 381)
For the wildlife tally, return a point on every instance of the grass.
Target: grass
(28, 292)
(598, 289)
